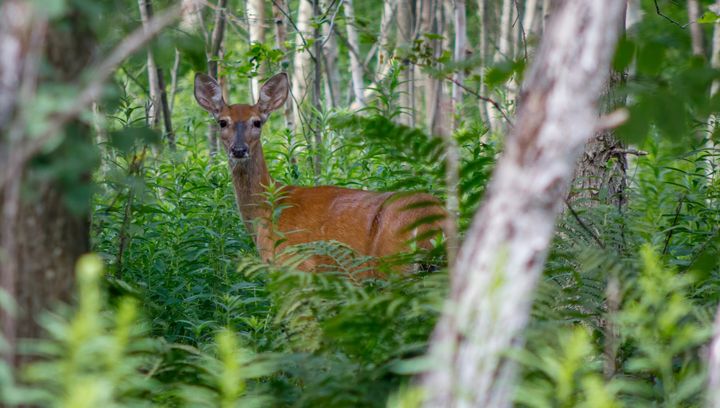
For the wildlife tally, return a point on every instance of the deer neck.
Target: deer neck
(250, 179)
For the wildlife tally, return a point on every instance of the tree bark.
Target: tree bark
(404, 37)
(153, 108)
(301, 62)
(356, 68)
(713, 385)
(317, 82)
(696, 34)
(483, 50)
(330, 55)
(41, 237)
(161, 103)
(459, 57)
(215, 44)
(279, 10)
(504, 251)
(256, 24)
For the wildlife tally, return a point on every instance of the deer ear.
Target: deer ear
(273, 93)
(208, 94)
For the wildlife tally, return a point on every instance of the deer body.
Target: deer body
(371, 223)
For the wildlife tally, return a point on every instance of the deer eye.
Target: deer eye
(223, 123)
(257, 123)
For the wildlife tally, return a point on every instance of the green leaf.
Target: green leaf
(708, 18)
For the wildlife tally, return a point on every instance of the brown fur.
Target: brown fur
(371, 223)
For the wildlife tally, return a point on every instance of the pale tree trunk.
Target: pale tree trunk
(302, 60)
(317, 83)
(483, 50)
(256, 24)
(330, 56)
(279, 10)
(696, 34)
(164, 105)
(384, 49)
(356, 69)
(546, 9)
(40, 237)
(431, 22)
(404, 37)
(530, 19)
(215, 45)
(505, 40)
(504, 251)
(713, 385)
(153, 108)
(459, 57)
(504, 51)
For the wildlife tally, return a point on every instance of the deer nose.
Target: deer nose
(239, 152)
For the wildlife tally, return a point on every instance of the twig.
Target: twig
(631, 151)
(332, 20)
(583, 225)
(657, 9)
(482, 98)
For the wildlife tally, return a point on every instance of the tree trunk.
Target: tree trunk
(384, 47)
(356, 69)
(713, 385)
(161, 102)
(279, 10)
(317, 82)
(256, 25)
(404, 37)
(459, 57)
(330, 56)
(530, 20)
(153, 108)
(483, 50)
(505, 40)
(41, 237)
(601, 175)
(504, 251)
(301, 62)
(696, 34)
(215, 44)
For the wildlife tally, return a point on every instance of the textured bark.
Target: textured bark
(356, 69)
(404, 38)
(459, 57)
(530, 19)
(256, 25)
(601, 175)
(482, 47)
(504, 251)
(279, 10)
(713, 385)
(301, 62)
(330, 55)
(696, 34)
(317, 82)
(41, 237)
(159, 103)
(214, 52)
(153, 107)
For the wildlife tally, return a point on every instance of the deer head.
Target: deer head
(240, 124)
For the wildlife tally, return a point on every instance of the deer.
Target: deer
(374, 224)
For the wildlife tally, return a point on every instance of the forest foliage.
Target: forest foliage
(175, 307)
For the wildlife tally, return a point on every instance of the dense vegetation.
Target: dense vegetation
(175, 308)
